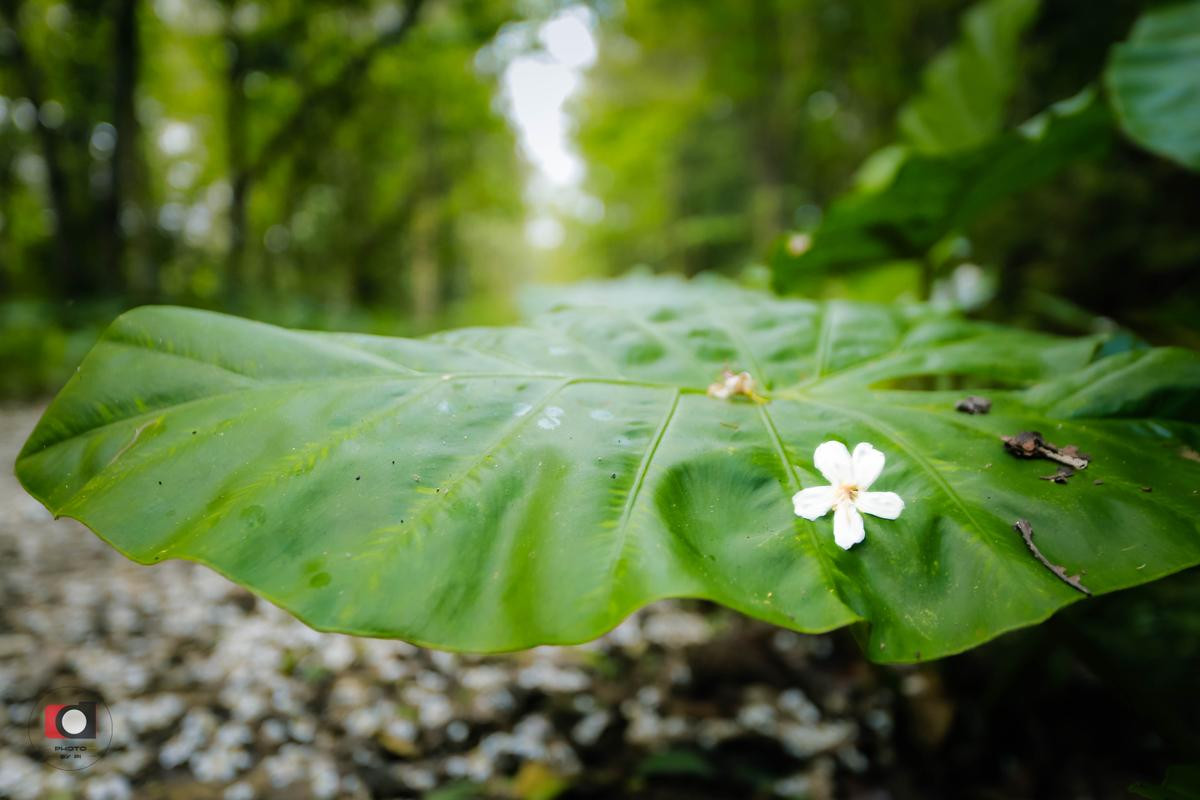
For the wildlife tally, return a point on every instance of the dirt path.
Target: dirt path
(215, 694)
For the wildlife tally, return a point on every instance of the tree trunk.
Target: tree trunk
(336, 93)
(424, 277)
(126, 174)
(235, 143)
(769, 213)
(10, 278)
(73, 278)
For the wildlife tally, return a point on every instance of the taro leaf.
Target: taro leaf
(1153, 80)
(930, 197)
(497, 488)
(966, 89)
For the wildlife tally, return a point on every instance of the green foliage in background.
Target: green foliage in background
(920, 200)
(497, 488)
(321, 165)
(952, 163)
(916, 200)
(709, 129)
(347, 166)
(967, 88)
(701, 158)
(244, 155)
(1154, 82)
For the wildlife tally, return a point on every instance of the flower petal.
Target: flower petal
(880, 504)
(847, 526)
(868, 463)
(813, 502)
(832, 460)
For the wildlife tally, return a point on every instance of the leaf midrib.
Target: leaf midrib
(453, 482)
(809, 528)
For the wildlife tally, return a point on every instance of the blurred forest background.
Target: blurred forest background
(400, 167)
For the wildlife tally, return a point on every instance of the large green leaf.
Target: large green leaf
(966, 88)
(925, 198)
(497, 488)
(1153, 80)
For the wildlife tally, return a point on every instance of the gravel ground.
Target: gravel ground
(217, 694)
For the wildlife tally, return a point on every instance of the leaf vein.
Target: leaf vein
(422, 509)
(794, 480)
(904, 446)
(636, 489)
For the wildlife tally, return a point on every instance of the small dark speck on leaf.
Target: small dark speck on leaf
(193, 433)
(358, 477)
(1147, 488)
(614, 475)
(160, 483)
(973, 404)
(1060, 476)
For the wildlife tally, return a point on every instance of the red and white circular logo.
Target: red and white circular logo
(71, 728)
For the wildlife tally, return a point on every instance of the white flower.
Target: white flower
(849, 478)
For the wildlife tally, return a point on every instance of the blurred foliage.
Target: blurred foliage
(1153, 84)
(915, 199)
(709, 129)
(720, 138)
(907, 202)
(314, 163)
(966, 88)
(348, 165)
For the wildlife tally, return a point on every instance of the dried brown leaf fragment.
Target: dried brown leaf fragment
(1023, 527)
(1030, 444)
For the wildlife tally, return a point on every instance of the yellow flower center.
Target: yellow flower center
(847, 491)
